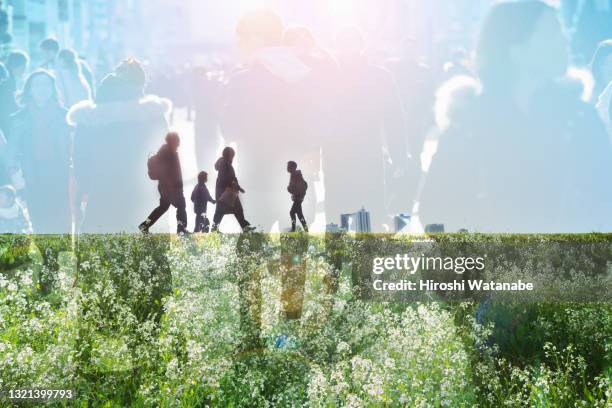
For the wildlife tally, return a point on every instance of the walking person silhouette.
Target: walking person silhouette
(200, 198)
(226, 192)
(297, 188)
(165, 167)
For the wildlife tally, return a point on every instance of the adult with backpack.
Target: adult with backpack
(165, 167)
(297, 188)
(112, 138)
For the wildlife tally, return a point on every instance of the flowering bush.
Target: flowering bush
(257, 320)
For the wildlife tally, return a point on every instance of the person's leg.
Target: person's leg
(155, 215)
(293, 215)
(199, 223)
(293, 274)
(219, 213)
(300, 215)
(205, 224)
(239, 214)
(181, 213)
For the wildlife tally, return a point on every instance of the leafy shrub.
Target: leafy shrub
(158, 321)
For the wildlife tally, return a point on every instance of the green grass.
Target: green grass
(157, 321)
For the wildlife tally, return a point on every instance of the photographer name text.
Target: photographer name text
(410, 265)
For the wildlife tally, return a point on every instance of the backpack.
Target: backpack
(301, 186)
(154, 164)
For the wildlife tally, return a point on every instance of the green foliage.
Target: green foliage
(158, 321)
(260, 378)
(14, 251)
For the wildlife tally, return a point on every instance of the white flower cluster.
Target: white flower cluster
(165, 322)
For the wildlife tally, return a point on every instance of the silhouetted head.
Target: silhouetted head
(350, 43)
(202, 177)
(173, 141)
(228, 154)
(521, 39)
(259, 29)
(301, 39)
(109, 89)
(49, 48)
(7, 196)
(132, 78)
(68, 60)
(291, 166)
(16, 63)
(601, 66)
(40, 90)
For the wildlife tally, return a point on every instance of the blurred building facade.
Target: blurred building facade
(434, 228)
(100, 30)
(167, 30)
(356, 222)
(30, 21)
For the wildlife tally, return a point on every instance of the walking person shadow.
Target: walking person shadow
(248, 267)
(165, 167)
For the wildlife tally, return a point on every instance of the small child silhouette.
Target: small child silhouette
(200, 198)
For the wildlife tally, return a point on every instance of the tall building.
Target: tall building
(333, 228)
(434, 228)
(95, 29)
(30, 21)
(401, 222)
(346, 221)
(362, 221)
(356, 222)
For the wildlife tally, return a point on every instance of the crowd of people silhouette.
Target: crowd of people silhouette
(521, 130)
